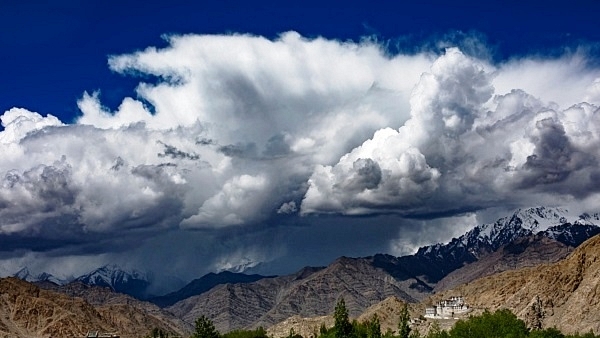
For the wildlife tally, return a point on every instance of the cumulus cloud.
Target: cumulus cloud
(242, 132)
(463, 147)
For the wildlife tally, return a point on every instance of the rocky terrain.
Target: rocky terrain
(523, 252)
(308, 293)
(565, 294)
(388, 312)
(201, 285)
(26, 310)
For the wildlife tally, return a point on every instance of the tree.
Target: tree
(205, 328)
(342, 326)
(258, 333)
(404, 323)
(157, 333)
(374, 327)
(501, 323)
(547, 333)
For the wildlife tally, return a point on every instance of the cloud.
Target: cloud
(390, 171)
(465, 147)
(232, 139)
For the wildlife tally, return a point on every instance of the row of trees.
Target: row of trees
(500, 324)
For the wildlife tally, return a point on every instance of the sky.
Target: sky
(180, 138)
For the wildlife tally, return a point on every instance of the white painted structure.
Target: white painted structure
(447, 308)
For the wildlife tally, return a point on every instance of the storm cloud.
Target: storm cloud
(234, 142)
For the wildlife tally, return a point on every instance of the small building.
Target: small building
(98, 334)
(447, 308)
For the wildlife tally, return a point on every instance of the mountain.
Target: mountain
(203, 284)
(27, 310)
(564, 294)
(307, 293)
(387, 311)
(524, 238)
(133, 283)
(523, 252)
(25, 275)
(432, 263)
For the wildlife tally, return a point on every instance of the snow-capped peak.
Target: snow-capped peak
(26, 275)
(110, 274)
(522, 222)
(131, 282)
(556, 223)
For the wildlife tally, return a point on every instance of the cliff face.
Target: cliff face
(565, 294)
(27, 310)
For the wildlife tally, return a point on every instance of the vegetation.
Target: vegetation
(404, 323)
(157, 333)
(205, 328)
(342, 327)
(258, 333)
(500, 324)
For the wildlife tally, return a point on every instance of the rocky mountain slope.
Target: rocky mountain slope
(203, 284)
(565, 294)
(430, 264)
(27, 310)
(523, 252)
(310, 292)
(388, 312)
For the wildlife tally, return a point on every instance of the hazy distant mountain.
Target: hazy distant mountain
(203, 284)
(132, 282)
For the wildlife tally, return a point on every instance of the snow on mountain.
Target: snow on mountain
(26, 275)
(522, 222)
(555, 223)
(131, 282)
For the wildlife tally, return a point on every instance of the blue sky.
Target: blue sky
(55, 50)
(270, 136)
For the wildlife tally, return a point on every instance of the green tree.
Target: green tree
(205, 328)
(342, 326)
(547, 333)
(258, 333)
(374, 327)
(499, 324)
(157, 333)
(404, 323)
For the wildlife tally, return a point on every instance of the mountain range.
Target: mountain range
(365, 281)
(524, 239)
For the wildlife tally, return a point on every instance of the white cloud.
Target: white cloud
(459, 149)
(389, 171)
(232, 131)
